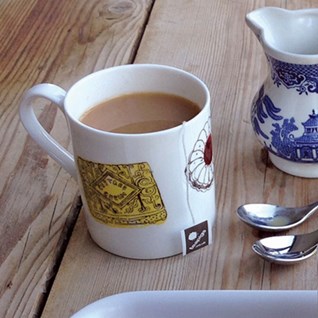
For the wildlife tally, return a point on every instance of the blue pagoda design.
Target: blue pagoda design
(281, 141)
(306, 146)
(287, 146)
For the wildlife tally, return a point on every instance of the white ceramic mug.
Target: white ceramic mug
(169, 173)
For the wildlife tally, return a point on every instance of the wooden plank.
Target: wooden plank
(57, 42)
(210, 39)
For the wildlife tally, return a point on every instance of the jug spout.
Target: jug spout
(263, 21)
(286, 34)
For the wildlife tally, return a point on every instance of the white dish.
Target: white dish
(205, 304)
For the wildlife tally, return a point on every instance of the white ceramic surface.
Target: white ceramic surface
(177, 159)
(205, 304)
(285, 109)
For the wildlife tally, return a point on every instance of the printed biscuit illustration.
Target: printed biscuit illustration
(199, 170)
(123, 195)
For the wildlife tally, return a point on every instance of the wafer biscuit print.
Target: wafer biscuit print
(122, 195)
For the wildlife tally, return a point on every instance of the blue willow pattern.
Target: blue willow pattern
(263, 108)
(283, 143)
(303, 77)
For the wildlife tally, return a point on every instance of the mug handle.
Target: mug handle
(30, 122)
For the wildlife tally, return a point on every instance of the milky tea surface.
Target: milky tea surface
(140, 113)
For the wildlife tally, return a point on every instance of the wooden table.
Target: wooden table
(49, 265)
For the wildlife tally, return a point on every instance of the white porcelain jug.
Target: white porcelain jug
(284, 111)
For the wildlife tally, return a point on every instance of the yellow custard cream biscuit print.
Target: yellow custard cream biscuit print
(122, 195)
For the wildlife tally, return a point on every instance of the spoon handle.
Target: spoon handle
(304, 242)
(313, 208)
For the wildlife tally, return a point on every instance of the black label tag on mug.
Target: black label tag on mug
(196, 237)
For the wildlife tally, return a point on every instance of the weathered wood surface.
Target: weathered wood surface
(210, 39)
(57, 42)
(61, 41)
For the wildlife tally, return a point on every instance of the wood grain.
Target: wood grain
(210, 39)
(61, 41)
(57, 42)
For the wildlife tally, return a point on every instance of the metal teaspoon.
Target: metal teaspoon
(268, 217)
(287, 249)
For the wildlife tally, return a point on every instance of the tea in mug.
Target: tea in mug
(140, 113)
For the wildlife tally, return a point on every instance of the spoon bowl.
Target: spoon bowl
(287, 249)
(273, 218)
(288, 259)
